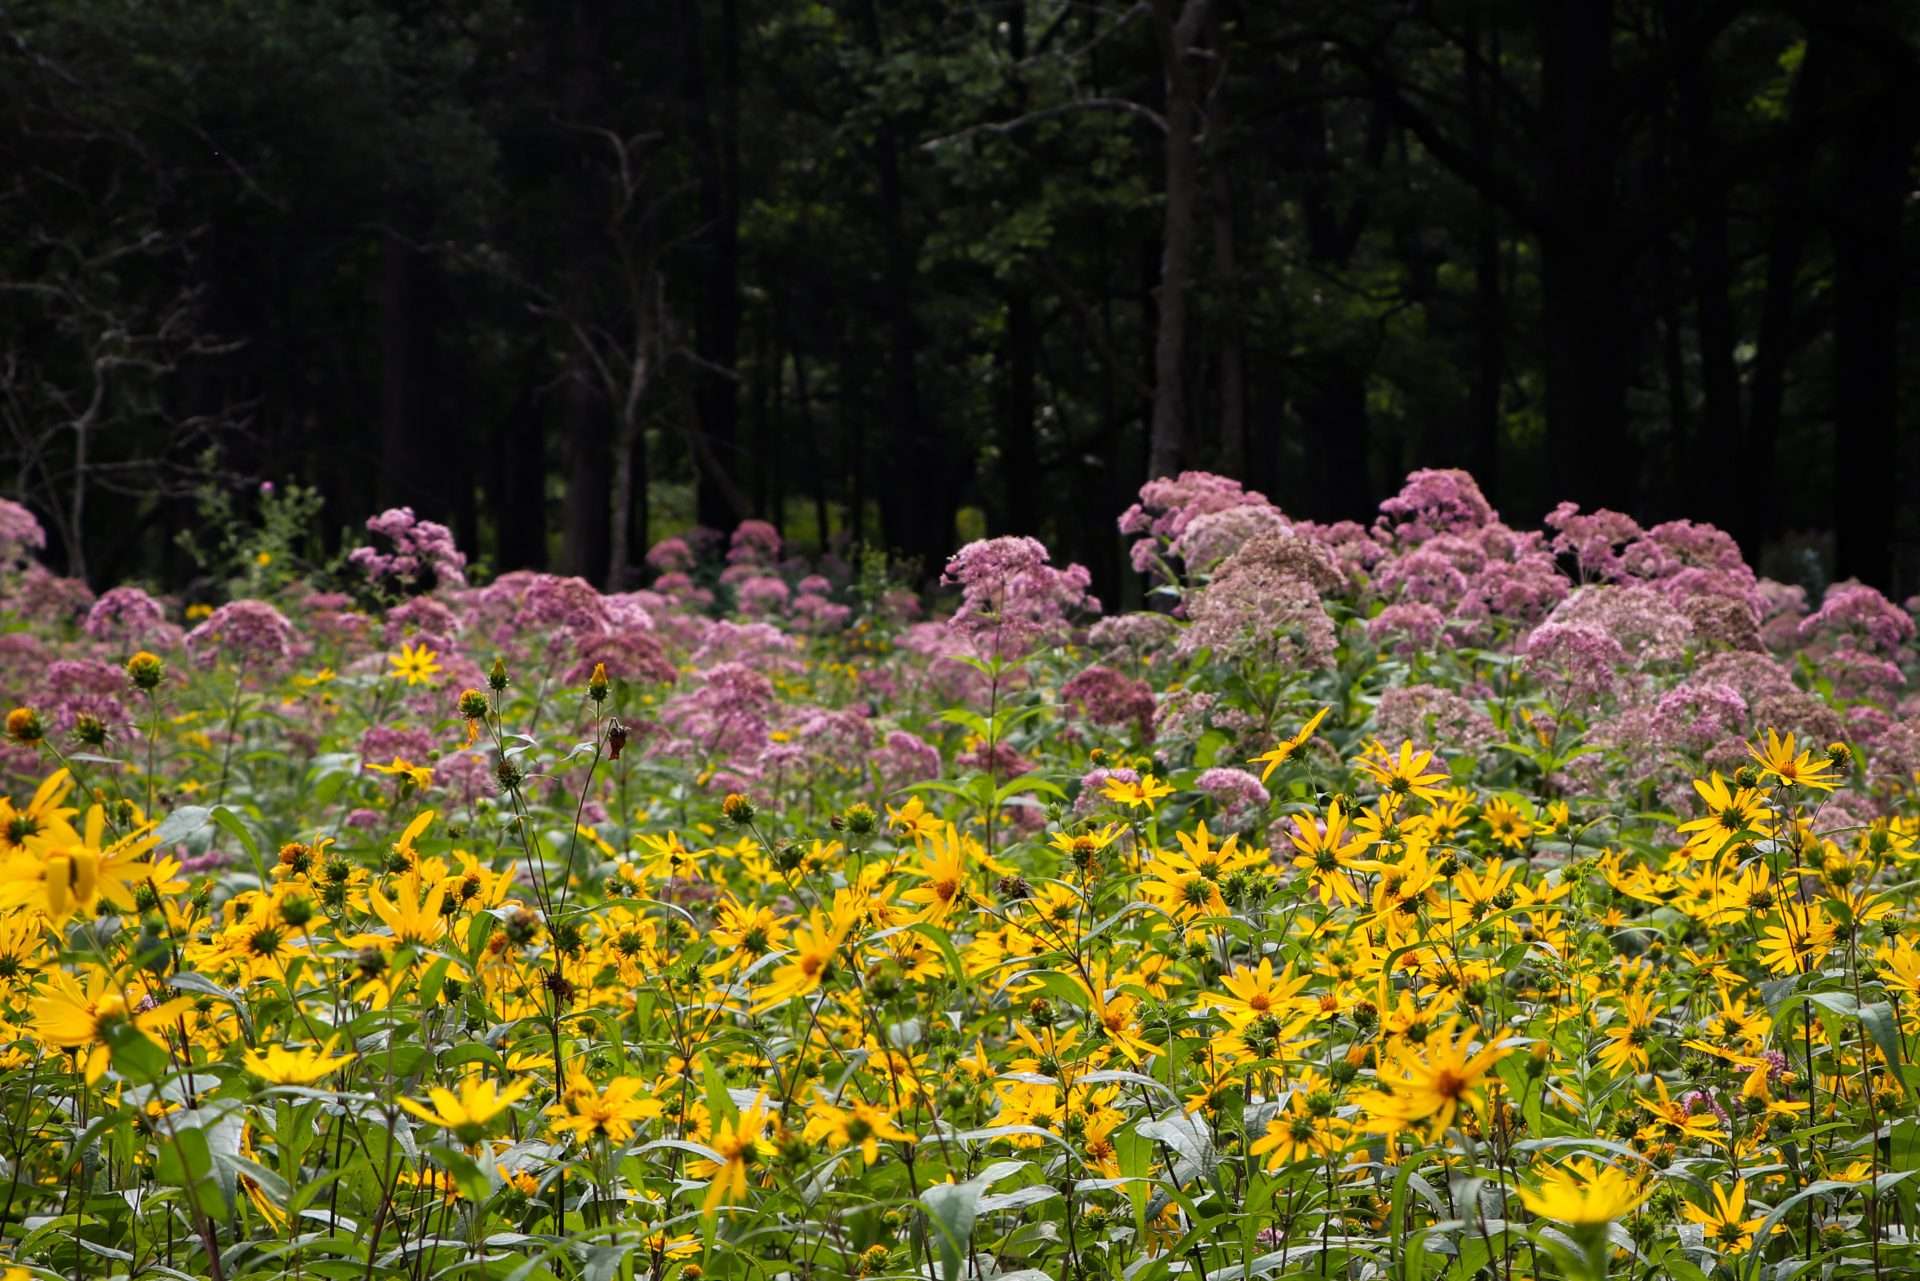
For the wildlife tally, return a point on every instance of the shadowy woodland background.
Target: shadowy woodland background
(570, 275)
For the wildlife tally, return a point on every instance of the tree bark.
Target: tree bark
(716, 113)
(1489, 300)
(1177, 24)
(1584, 309)
(1719, 438)
(1231, 361)
(1868, 274)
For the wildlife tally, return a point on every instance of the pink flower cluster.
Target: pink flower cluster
(1011, 599)
(422, 553)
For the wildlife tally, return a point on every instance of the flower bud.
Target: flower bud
(25, 727)
(146, 670)
(597, 683)
(497, 678)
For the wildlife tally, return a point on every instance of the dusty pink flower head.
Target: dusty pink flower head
(422, 556)
(1579, 657)
(1011, 599)
(1168, 506)
(127, 615)
(670, 556)
(755, 542)
(1853, 609)
(20, 532)
(249, 633)
(1435, 501)
(1593, 539)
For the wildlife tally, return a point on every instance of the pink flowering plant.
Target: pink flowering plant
(1422, 896)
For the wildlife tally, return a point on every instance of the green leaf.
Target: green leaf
(951, 1209)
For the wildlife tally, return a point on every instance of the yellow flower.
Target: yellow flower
(470, 1113)
(62, 873)
(1145, 791)
(84, 1019)
(1777, 760)
(415, 664)
(1583, 1193)
(1301, 1132)
(1403, 775)
(400, 767)
(1284, 750)
(1253, 992)
(1326, 854)
(44, 822)
(1429, 1088)
(861, 1126)
(1728, 1226)
(610, 1113)
(282, 1066)
(740, 1143)
(912, 820)
(408, 916)
(1730, 812)
(1507, 824)
(808, 964)
(263, 559)
(944, 873)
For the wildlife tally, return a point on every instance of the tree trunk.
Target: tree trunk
(1231, 367)
(1585, 317)
(716, 119)
(588, 432)
(1019, 452)
(1718, 442)
(1489, 300)
(1177, 24)
(919, 516)
(519, 484)
(1793, 221)
(1869, 269)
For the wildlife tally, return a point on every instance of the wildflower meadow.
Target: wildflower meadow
(1422, 899)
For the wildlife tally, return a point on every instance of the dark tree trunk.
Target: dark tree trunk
(1869, 268)
(1231, 340)
(1177, 25)
(519, 484)
(716, 113)
(1585, 318)
(1333, 408)
(918, 516)
(1718, 441)
(1019, 451)
(1489, 297)
(1787, 243)
(587, 428)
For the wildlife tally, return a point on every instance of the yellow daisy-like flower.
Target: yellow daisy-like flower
(1778, 760)
(282, 1066)
(1146, 790)
(1429, 1088)
(1284, 750)
(1728, 1227)
(586, 1112)
(471, 1112)
(861, 1127)
(1405, 774)
(415, 664)
(1584, 1193)
(85, 1020)
(740, 1144)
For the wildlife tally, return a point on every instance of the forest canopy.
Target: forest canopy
(574, 276)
